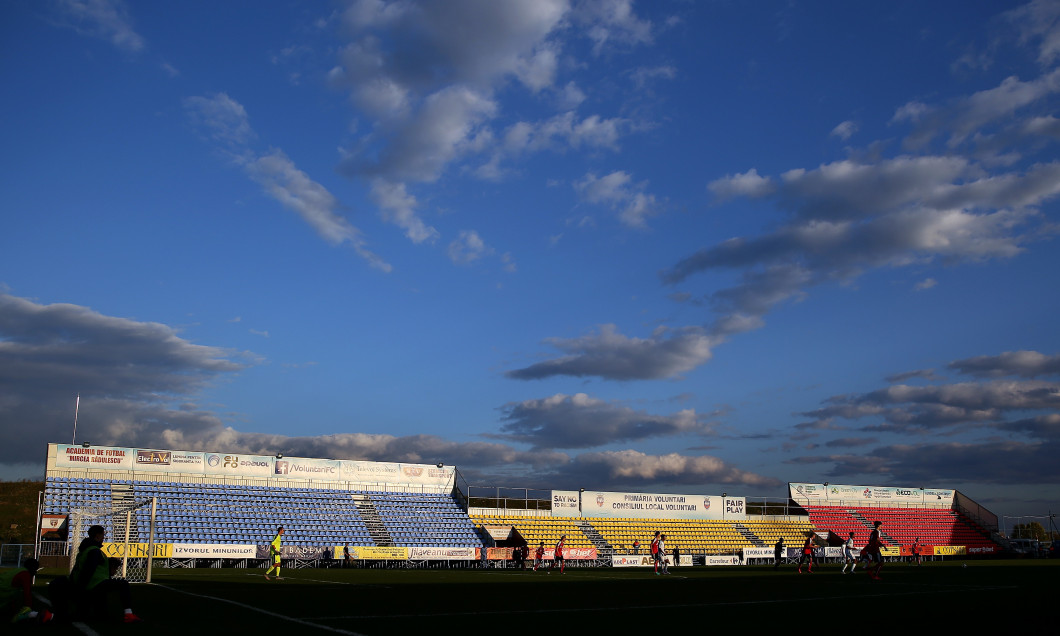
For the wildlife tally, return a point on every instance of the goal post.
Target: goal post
(130, 536)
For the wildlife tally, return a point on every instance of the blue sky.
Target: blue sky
(667, 246)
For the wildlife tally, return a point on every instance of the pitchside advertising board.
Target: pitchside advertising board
(758, 553)
(240, 465)
(646, 561)
(639, 505)
(373, 553)
(836, 493)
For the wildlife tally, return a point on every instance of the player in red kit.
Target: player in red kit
(871, 552)
(807, 553)
(655, 555)
(558, 556)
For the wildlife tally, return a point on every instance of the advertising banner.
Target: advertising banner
(370, 472)
(498, 554)
(949, 550)
(907, 550)
(807, 491)
(565, 503)
(735, 507)
(830, 552)
(890, 551)
(139, 550)
(379, 554)
(296, 467)
(241, 465)
(660, 506)
(645, 561)
(724, 560)
(293, 552)
(169, 461)
(393, 473)
(93, 457)
(632, 561)
(938, 496)
(427, 475)
(578, 554)
(442, 554)
(858, 495)
(983, 549)
(758, 553)
(213, 551)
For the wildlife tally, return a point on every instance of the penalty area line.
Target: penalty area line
(299, 621)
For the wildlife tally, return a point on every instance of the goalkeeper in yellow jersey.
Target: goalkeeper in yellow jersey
(274, 552)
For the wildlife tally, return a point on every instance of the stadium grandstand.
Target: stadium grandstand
(205, 509)
(941, 519)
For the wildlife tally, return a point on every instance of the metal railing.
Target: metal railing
(13, 554)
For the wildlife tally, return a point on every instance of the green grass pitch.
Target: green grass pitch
(377, 601)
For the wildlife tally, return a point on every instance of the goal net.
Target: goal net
(129, 538)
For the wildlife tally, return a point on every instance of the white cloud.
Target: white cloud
(581, 421)
(564, 131)
(612, 21)
(1027, 364)
(399, 208)
(1040, 20)
(440, 131)
(969, 114)
(911, 111)
(474, 42)
(857, 214)
(226, 122)
(609, 354)
(429, 75)
(539, 70)
(618, 191)
(383, 98)
(133, 376)
(634, 468)
(223, 117)
(643, 75)
(927, 283)
(845, 130)
(468, 247)
(105, 19)
(748, 184)
(571, 96)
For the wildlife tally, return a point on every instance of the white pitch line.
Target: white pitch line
(260, 611)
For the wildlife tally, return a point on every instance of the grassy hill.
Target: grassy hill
(18, 510)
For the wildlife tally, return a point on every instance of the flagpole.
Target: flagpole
(77, 405)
